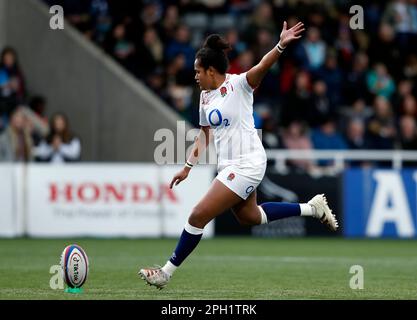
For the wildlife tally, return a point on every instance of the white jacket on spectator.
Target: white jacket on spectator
(67, 152)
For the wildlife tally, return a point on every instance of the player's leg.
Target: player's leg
(249, 213)
(218, 199)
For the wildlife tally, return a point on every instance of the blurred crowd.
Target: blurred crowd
(337, 88)
(26, 134)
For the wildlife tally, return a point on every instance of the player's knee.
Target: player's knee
(197, 218)
(249, 220)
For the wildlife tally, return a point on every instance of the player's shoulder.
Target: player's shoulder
(240, 80)
(232, 76)
(240, 77)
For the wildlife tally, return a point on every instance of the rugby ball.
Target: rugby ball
(74, 264)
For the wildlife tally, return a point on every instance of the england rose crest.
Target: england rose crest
(223, 91)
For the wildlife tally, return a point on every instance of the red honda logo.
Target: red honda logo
(91, 192)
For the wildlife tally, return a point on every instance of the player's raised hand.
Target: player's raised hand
(288, 35)
(182, 175)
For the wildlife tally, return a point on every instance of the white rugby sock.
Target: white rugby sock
(169, 268)
(264, 218)
(307, 210)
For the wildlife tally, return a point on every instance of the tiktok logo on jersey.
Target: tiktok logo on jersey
(215, 118)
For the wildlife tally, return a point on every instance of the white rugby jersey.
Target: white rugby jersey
(228, 110)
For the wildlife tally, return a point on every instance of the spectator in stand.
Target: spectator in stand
(181, 45)
(356, 135)
(331, 74)
(410, 67)
(61, 145)
(295, 137)
(180, 99)
(121, 48)
(379, 81)
(35, 124)
(409, 106)
(170, 23)
(408, 137)
(326, 137)
(12, 86)
(355, 82)
(238, 46)
(242, 63)
(383, 49)
(404, 88)
(298, 101)
(408, 133)
(151, 13)
(381, 126)
(150, 52)
(345, 49)
(398, 15)
(262, 18)
(357, 111)
(177, 72)
(270, 136)
(413, 15)
(357, 139)
(16, 141)
(240, 6)
(157, 83)
(101, 20)
(263, 43)
(37, 106)
(311, 52)
(321, 108)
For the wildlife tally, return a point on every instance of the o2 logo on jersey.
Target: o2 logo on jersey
(249, 189)
(215, 118)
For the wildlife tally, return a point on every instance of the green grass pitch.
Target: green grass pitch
(220, 268)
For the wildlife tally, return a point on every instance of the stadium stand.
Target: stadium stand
(334, 75)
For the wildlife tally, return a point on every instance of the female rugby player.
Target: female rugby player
(226, 108)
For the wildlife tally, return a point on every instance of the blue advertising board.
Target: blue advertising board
(379, 203)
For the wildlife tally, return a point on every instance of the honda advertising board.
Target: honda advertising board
(111, 200)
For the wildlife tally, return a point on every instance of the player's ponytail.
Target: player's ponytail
(213, 53)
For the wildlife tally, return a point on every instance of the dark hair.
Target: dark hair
(37, 104)
(66, 136)
(9, 50)
(213, 53)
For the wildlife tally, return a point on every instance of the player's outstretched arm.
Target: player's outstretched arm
(200, 144)
(257, 73)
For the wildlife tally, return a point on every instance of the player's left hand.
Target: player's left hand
(180, 176)
(288, 35)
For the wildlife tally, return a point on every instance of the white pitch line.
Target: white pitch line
(315, 259)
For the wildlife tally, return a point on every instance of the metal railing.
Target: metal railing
(339, 157)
